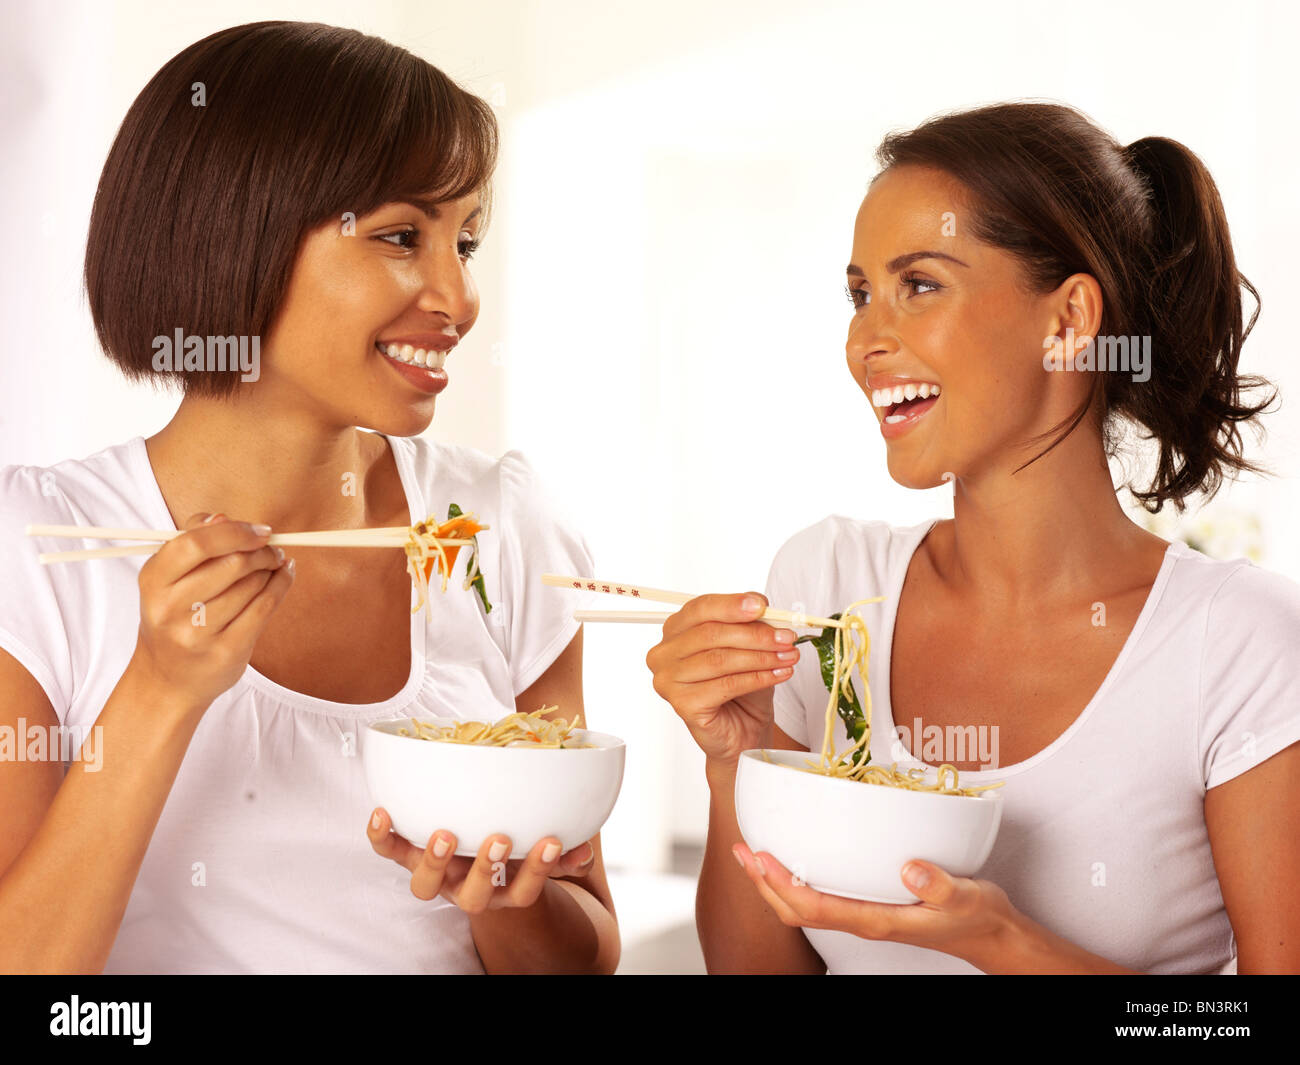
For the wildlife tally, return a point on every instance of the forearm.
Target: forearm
(739, 932)
(63, 898)
(1025, 947)
(567, 930)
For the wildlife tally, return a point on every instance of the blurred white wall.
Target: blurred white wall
(663, 318)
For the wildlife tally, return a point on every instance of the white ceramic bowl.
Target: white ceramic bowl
(848, 838)
(475, 792)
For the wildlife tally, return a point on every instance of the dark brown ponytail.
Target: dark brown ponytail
(1146, 221)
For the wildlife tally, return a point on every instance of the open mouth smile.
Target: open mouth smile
(904, 405)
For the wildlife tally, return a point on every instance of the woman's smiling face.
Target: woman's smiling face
(373, 310)
(957, 317)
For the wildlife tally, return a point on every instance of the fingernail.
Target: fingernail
(441, 847)
(751, 605)
(292, 562)
(497, 851)
(551, 852)
(591, 855)
(917, 876)
(784, 671)
(209, 519)
(758, 864)
(262, 530)
(739, 860)
(376, 820)
(787, 656)
(279, 556)
(784, 636)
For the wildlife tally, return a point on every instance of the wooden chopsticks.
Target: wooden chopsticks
(391, 536)
(661, 595)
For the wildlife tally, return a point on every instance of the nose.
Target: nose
(868, 336)
(448, 289)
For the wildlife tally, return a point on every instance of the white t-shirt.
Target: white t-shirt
(260, 862)
(1103, 838)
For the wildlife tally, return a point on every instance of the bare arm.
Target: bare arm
(1254, 826)
(739, 931)
(572, 926)
(717, 667)
(72, 846)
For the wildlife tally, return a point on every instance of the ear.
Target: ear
(1079, 306)
(1076, 316)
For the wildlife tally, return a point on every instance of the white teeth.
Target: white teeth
(891, 419)
(887, 397)
(412, 356)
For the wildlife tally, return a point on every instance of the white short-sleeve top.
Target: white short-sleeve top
(260, 861)
(1103, 838)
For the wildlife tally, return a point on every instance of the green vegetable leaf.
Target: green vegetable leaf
(480, 585)
(849, 709)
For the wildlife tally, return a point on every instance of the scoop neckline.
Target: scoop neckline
(300, 700)
(908, 760)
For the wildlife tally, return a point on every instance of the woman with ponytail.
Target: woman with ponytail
(1024, 291)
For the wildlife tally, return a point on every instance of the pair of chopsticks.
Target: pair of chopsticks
(659, 595)
(391, 536)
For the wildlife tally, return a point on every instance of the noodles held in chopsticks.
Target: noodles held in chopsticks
(852, 650)
(425, 552)
(514, 730)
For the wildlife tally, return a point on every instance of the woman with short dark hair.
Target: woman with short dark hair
(1139, 699)
(282, 230)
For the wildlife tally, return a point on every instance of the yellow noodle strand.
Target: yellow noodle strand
(513, 730)
(848, 659)
(420, 547)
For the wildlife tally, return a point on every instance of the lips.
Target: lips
(429, 377)
(902, 404)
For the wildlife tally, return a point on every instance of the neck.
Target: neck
(1052, 532)
(281, 467)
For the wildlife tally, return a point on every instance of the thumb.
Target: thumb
(576, 862)
(928, 882)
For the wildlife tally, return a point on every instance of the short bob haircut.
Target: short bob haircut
(236, 148)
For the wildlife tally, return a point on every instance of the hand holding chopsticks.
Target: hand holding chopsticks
(660, 595)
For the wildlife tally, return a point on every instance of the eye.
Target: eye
(407, 239)
(398, 239)
(468, 246)
(859, 297)
(913, 280)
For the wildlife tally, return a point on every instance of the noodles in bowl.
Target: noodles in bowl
(516, 730)
(449, 774)
(849, 840)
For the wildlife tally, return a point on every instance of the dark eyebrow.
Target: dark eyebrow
(430, 208)
(903, 261)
